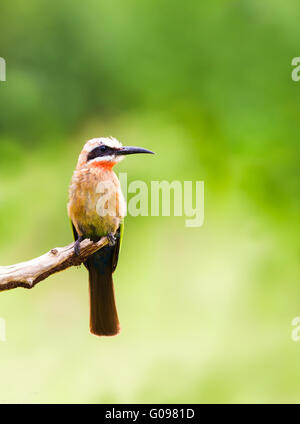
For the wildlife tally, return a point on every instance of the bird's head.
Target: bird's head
(106, 152)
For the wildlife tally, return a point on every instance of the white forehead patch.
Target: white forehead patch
(95, 142)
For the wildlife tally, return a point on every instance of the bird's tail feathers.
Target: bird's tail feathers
(104, 319)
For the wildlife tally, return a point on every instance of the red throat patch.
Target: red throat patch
(106, 165)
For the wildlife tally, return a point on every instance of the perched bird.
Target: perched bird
(97, 208)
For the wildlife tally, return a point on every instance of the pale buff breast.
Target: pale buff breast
(96, 204)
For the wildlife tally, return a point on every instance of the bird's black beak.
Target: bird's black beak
(130, 150)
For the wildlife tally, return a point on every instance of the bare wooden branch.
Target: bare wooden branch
(28, 274)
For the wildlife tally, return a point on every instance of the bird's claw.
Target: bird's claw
(111, 239)
(77, 246)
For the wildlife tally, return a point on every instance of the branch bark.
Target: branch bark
(28, 274)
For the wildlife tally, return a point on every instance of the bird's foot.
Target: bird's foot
(77, 245)
(111, 239)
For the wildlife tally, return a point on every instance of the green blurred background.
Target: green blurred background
(206, 313)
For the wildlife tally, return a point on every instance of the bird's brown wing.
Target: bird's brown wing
(74, 231)
(117, 247)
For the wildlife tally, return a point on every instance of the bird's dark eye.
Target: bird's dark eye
(100, 151)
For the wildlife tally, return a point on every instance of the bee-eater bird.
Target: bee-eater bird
(97, 208)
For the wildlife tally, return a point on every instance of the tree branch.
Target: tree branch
(28, 274)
